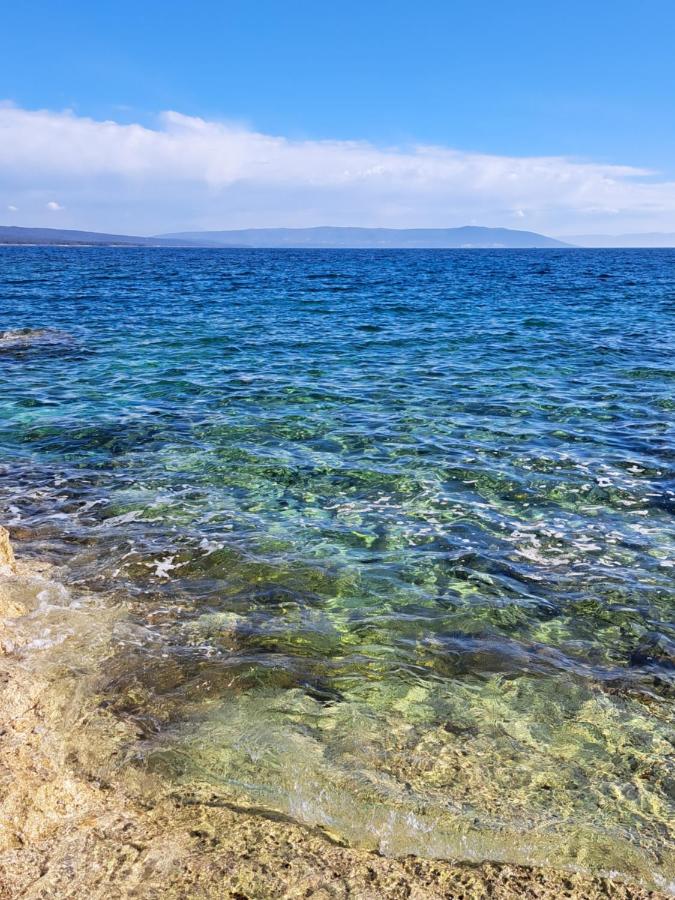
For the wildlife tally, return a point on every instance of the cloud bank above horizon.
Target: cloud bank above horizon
(187, 173)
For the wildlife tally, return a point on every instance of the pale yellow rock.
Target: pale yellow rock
(7, 561)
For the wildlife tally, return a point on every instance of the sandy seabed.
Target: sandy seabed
(78, 821)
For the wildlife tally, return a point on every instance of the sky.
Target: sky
(146, 117)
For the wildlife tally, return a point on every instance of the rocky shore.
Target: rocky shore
(77, 821)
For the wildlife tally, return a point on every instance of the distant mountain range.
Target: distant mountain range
(328, 237)
(372, 238)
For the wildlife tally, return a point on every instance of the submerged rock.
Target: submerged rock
(654, 649)
(24, 338)
(78, 820)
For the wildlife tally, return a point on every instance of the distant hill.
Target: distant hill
(645, 239)
(10, 234)
(372, 238)
(327, 237)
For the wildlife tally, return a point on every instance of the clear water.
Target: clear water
(393, 531)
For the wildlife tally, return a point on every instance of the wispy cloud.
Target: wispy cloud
(190, 172)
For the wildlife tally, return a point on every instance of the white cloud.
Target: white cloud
(12, 208)
(188, 172)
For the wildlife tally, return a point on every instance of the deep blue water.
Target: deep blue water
(398, 526)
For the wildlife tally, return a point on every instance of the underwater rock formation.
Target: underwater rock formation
(78, 819)
(18, 339)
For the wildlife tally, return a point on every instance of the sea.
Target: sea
(390, 533)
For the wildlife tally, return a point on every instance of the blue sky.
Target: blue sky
(592, 82)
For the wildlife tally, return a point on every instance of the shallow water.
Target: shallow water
(393, 532)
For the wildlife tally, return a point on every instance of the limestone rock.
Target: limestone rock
(7, 562)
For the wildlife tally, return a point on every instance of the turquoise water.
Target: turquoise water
(393, 530)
